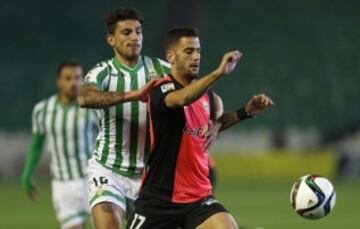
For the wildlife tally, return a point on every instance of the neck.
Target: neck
(184, 81)
(126, 61)
(66, 99)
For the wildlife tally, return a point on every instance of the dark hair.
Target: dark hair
(174, 35)
(67, 63)
(121, 14)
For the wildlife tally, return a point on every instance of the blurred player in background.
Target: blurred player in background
(220, 121)
(115, 86)
(69, 133)
(176, 191)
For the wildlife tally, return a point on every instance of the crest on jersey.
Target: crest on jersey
(152, 75)
(206, 106)
(167, 87)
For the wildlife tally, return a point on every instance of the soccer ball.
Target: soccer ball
(312, 197)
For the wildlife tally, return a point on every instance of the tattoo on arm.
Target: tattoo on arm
(91, 97)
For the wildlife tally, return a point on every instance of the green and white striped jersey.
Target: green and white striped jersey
(69, 132)
(123, 143)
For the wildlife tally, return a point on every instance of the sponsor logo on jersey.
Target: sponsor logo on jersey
(167, 87)
(206, 106)
(209, 201)
(199, 131)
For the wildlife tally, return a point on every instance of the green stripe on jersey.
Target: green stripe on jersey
(105, 150)
(87, 131)
(54, 139)
(119, 127)
(134, 125)
(64, 141)
(76, 142)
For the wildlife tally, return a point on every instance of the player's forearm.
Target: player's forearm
(228, 119)
(32, 159)
(91, 98)
(191, 92)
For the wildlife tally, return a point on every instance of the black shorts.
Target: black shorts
(150, 214)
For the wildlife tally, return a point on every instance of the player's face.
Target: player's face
(127, 39)
(187, 56)
(69, 81)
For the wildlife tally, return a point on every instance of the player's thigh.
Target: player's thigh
(107, 215)
(221, 220)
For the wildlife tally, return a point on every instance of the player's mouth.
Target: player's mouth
(134, 45)
(195, 66)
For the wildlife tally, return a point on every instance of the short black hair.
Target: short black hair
(68, 63)
(174, 35)
(121, 14)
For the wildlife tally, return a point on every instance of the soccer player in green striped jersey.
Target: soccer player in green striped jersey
(69, 133)
(115, 86)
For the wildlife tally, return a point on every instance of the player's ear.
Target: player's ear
(170, 56)
(110, 39)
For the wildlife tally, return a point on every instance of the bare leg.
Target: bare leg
(221, 220)
(107, 215)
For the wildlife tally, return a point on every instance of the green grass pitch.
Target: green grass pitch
(255, 205)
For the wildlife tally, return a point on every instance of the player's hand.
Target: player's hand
(32, 192)
(257, 104)
(143, 92)
(29, 187)
(229, 62)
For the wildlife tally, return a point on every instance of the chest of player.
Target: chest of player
(61, 119)
(125, 81)
(197, 117)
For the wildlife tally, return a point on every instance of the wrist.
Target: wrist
(242, 114)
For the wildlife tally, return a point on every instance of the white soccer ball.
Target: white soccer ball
(313, 197)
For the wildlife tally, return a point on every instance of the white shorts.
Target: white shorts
(70, 199)
(108, 186)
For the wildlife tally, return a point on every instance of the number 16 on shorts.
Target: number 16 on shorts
(137, 221)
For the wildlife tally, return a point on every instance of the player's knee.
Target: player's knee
(107, 216)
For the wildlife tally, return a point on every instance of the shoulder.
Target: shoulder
(101, 69)
(158, 64)
(165, 84)
(40, 105)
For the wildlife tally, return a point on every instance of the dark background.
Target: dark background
(304, 54)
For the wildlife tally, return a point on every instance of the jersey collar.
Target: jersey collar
(120, 66)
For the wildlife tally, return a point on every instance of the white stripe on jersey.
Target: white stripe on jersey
(126, 124)
(142, 122)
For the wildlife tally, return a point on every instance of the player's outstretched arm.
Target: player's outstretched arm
(193, 91)
(91, 97)
(31, 162)
(256, 105)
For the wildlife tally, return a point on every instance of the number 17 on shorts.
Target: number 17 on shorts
(137, 221)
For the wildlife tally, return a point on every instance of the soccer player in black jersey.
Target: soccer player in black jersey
(176, 191)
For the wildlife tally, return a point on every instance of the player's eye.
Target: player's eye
(126, 32)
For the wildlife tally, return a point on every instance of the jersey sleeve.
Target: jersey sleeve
(98, 76)
(38, 122)
(158, 95)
